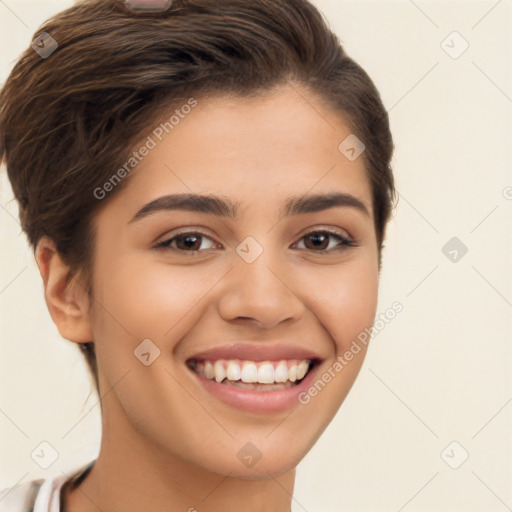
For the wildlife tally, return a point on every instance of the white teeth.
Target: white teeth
(302, 369)
(266, 373)
(220, 372)
(253, 372)
(281, 372)
(209, 372)
(249, 372)
(233, 371)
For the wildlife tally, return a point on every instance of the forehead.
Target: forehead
(285, 142)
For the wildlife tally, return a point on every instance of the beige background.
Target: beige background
(440, 371)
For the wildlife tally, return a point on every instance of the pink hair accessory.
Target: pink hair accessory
(143, 6)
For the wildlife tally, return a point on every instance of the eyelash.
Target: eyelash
(345, 242)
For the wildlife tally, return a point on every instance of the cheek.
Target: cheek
(138, 300)
(355, 307)
(345, 299)
(344, 302)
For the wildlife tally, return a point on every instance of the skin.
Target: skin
(165, 439)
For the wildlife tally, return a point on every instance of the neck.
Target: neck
(132, 474)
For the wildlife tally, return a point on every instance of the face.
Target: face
(249, 288)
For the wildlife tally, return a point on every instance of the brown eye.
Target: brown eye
(185, 242)
(319, 241)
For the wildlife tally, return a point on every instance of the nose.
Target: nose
(261, 292)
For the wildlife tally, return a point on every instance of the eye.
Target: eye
(187, 241)
(319, 241)
(191, 242)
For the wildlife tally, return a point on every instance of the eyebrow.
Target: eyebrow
(220, 207)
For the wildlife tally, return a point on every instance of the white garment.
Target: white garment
(41, 495)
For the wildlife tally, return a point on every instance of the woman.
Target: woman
(206, 187)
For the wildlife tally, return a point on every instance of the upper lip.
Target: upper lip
(257, 352)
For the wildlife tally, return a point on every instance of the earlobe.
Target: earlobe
(67, 300)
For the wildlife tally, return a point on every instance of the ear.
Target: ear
(67, 300)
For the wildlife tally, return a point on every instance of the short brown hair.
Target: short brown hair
(68, 120)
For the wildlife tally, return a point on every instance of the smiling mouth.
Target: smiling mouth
(255, 375)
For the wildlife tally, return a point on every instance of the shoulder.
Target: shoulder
(22, 497)
(41, 495)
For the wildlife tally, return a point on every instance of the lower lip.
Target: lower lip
(258, 401)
